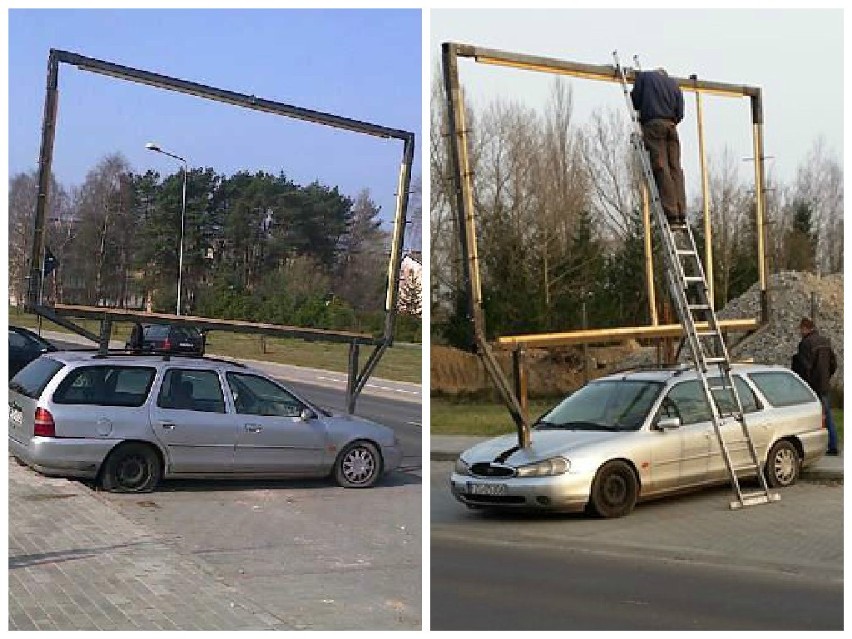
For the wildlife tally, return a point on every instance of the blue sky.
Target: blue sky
(363, 64)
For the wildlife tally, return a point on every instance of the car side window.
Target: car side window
(782, 388)
(688, 402)
(191, 389)
(255, 395)
(725, 399)
(106, 386)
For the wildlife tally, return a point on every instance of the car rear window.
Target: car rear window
(185, 333)
(157, 331)
(33, 377)
(106, 386)
(782, 389)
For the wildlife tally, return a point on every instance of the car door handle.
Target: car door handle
(167, 425)
(253, 428)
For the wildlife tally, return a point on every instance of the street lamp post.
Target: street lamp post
(153, 147)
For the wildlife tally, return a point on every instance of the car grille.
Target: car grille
(495, 499)
(484, 469)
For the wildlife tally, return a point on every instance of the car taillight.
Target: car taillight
(166, 344)
(44, 426)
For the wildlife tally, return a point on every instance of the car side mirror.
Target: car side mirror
(668, 423)
(307, 414)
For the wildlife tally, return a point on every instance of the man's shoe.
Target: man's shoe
(833, 453)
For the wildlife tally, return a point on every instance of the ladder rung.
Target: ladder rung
(693, 278)
(754, 499)
(708, 334)
(699, 307)
(715, 360)
(750, 467)
(686, 252)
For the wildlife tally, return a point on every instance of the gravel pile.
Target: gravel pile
(790, 299)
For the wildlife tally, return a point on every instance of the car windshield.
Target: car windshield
(615, 405)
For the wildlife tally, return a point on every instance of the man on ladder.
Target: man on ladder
(659, 101)
(654, 139)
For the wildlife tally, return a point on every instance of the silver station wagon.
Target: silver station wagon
(637, 435)
(129, 421)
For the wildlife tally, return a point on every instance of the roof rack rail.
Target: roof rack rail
(165, 355)
(677, 368)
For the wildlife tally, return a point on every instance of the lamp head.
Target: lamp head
(152, 147)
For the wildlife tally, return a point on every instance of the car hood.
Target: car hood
(544, 444)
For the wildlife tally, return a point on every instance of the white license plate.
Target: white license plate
(16, 415)
(185, 344)
(492, 490)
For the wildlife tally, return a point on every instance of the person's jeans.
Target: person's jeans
(829, 422)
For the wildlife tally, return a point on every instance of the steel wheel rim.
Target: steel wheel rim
(615, 490)
(358, 465)
(784, 465)
(132, 471)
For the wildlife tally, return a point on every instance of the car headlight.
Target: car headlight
(546, 468)
(461, 467)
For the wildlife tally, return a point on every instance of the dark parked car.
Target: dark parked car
(24, 347)
(164, 338)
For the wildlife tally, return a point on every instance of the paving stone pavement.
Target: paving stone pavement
(77, 564)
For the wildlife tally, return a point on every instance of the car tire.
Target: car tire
(359, 465)
(614, 490)
(131, 468)
(782, 465)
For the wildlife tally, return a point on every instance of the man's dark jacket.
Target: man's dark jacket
(815, 362)
(657, 96)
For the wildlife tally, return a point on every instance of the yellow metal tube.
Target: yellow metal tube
(609, 335)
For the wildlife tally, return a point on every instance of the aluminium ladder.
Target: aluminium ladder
(688, 287)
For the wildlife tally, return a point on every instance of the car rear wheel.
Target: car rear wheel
(614, 490)
(782, 465)
(359, 465)
(131, 468)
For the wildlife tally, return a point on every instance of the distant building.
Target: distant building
(411, 284)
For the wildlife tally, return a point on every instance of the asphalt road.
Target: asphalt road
(684, 563)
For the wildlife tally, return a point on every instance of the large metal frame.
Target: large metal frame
(357, 378)
(466, 215)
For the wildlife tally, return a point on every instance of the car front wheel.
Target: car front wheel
(782, 465)
(359, 465)
(131, 468)
(614, 490)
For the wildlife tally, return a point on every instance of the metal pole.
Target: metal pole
(464, 209)
(649, 257)
(182, 225)
(585, 344)
(45, 161)
(521, 383)
(759, 178)
(705, 194)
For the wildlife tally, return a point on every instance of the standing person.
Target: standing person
(659, 101)
(815, 362)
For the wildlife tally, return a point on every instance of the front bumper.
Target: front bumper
(59, 457)
(565, 493)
